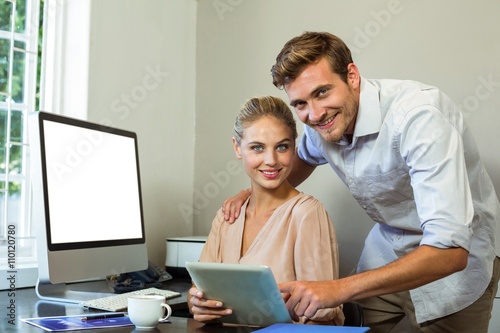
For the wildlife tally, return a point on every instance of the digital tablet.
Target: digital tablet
(249, 290)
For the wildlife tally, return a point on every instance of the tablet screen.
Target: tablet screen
(249, 290)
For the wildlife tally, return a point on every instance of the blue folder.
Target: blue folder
(292, 328)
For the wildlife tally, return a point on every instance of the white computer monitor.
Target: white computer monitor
(87, 207)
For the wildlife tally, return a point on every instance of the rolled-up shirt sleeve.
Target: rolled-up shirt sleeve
(435, 156)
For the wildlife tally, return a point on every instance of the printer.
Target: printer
(180, 250)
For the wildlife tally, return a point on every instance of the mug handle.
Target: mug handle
(169, 311)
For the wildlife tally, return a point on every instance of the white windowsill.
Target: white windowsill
(19, 278)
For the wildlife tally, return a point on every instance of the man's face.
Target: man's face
(323, 101)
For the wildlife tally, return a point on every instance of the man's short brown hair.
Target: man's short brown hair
(306, 49)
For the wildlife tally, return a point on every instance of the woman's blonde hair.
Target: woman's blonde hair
(265, 106)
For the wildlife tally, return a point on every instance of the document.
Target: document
(80, 322)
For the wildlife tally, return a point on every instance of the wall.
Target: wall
(217, 53)
(141, 78)
(159, 67)
(454, 45)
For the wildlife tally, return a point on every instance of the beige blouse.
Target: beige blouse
(297, 242)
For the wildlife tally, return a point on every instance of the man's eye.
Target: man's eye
(299, 105)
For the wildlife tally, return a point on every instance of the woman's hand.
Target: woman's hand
(232, 206)
(205, 310)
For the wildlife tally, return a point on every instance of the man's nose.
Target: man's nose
(316, 111)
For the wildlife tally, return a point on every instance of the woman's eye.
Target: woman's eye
(257, 148)
(282, 147)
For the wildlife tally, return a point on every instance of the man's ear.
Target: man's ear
(236, 149)
(353, 77)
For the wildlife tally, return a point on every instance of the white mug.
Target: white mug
(146, 311)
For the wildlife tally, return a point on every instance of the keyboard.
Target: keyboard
(118, 302)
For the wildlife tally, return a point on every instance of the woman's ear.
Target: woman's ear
(236, 149)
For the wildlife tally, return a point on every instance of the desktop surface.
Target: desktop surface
(28, 305)
(25, 304)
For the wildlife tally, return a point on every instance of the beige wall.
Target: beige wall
(454, 45)
(141, 78)
(211, 55)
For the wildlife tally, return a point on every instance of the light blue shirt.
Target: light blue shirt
(415, 169)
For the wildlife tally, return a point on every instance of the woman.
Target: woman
(279, 226)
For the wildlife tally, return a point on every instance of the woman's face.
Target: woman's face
(267, 148)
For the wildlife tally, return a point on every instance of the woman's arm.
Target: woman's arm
(202, 309)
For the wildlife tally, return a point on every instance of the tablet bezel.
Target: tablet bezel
(250, 290)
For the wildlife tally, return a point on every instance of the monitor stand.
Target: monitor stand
(79, 292)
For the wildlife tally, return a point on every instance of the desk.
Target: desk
(28, 305)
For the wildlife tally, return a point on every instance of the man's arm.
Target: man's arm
(422, 266)
(300, 171)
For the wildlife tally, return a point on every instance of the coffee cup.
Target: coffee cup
(146, 311)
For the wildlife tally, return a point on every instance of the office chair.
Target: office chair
(353, 313)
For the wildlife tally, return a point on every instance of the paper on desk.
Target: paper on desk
(71, 323)
(285, 328)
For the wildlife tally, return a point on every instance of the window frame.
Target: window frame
(63, 84)
(17, 239)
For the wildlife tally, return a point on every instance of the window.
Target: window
(19, 68)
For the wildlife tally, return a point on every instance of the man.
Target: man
(430, 263)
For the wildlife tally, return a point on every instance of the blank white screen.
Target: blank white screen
(93, 186)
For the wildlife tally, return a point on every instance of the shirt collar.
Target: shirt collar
(369, 118)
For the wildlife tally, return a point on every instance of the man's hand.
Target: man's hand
(205, 310)
(304, 298)
(232, 206)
